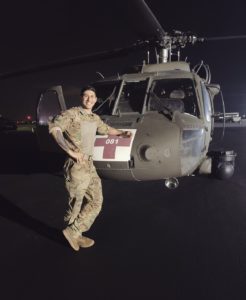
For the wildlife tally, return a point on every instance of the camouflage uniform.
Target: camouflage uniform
(82, 182)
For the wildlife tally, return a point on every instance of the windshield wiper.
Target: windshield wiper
(110, 98)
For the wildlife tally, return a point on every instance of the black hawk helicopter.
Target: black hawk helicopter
(168, 107)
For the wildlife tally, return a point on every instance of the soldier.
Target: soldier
(74, 130)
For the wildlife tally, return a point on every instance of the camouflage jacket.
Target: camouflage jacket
(79, 128)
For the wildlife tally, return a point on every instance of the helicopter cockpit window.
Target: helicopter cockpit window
(106, 96)
(132, 97)
(173, 95)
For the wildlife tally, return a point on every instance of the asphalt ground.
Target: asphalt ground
(151, 243)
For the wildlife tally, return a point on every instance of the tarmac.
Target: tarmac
(151, 242)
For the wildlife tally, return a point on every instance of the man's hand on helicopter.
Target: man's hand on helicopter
(122, 133)
(125, 134)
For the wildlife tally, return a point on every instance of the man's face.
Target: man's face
(88, 99)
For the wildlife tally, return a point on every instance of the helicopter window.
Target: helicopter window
(207, 103)
(106, 95)
(132, 97)
(173, 95)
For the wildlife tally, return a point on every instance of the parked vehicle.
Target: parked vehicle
(6, 124)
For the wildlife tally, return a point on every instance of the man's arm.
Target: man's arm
(104, 129)
(114, 131)
(59, 138)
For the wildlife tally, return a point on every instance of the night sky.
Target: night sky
(34, 32)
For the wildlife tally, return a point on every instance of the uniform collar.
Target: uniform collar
(84, 112)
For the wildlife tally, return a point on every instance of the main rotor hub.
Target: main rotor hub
(174, 41)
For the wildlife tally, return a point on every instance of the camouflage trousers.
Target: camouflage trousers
(85, 195)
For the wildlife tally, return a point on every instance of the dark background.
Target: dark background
(151, 243)
(37, 32)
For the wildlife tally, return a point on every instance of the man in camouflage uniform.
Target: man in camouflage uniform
(74, 130)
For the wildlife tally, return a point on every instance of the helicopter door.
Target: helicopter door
(51, 103)
(209, 92)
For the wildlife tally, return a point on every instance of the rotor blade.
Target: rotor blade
(77, 60)
(229, 37)
(149, 19)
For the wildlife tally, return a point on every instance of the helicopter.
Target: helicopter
(166, 105)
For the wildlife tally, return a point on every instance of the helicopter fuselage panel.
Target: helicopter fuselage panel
(164, 149)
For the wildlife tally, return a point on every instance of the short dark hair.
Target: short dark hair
(87, 88)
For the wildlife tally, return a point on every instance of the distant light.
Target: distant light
(41, 122)
(29, 118)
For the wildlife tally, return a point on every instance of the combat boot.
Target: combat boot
(85, 242)
(73, 241)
